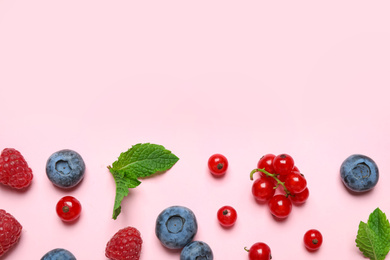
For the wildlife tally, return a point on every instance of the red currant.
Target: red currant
(227, 216)
(259, 251)
(218, 164)
(312, 239)
(295, 169)
(282, 178)
(265, 163)
(295, 182)
(263, 189)
(283, 164)
(280, 206)
(299, 198)
(68, 208)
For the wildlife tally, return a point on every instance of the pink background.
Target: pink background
(241, 78)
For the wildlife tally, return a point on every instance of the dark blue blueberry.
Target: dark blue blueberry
(176, 226)
(359, 173)
(65, 168)
(197, 250)
(58, 254)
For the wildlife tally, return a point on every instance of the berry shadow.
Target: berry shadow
(172, 251)
(71, 223)
(259, 202)
(298, 205)
(9, 189)
(226, 229)
(280, 220)
(310, 250)
(354, 193)
(217, 177)
(69, 190)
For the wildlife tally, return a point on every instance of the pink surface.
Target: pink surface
(240, 78)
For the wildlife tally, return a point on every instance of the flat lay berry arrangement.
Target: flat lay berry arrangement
(279, 185)
(225, 130)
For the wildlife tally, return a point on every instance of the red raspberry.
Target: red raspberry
(14, 170)
(10, 231)
(126, 244)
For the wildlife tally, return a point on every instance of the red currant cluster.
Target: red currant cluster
(279, 172)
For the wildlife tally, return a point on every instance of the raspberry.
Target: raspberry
(10, 230)
(14, 170)
(126, 244)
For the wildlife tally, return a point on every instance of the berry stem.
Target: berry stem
(273, 175)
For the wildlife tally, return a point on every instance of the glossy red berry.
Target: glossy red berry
(263, 189)
(283, 164)
(265, 163)
(295, 182)
(312, 239)
(301, 197)
(227, 216)
(259, 251)
(280, 206)
(282, 178)
(218, 164)
(295, 169)
(68, 208)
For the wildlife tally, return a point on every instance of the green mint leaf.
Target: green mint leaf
(366, 241)
(373, 238)
(123, 185)
(380, 225)
(140, 161)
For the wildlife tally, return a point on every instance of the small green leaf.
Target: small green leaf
(122, 190)
(380, 225)
(373, 238)
(141, 160)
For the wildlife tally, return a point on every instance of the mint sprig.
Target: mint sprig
(373, 237)
(140, 161)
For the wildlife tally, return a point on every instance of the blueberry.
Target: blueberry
(58, 254)
(359, 173)
(176, 226)
(65, 168)
(197, 250)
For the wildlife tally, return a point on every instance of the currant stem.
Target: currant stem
(273, 175)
